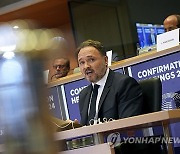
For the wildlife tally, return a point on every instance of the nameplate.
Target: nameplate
(168, 40)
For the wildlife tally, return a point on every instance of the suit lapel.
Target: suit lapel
(106, 88)
(86, 104)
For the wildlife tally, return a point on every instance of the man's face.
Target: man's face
(92, 64)
(170, 23)
(60, 68)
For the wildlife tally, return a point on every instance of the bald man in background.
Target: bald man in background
(61, 67)
(172, 22)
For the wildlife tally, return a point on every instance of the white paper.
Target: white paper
(168, 40)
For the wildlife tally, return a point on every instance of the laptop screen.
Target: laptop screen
(147, 33)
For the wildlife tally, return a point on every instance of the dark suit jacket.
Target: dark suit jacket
(121, 98)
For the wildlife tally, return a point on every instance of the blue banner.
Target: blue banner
(53, 102)
(166, 68)
(72, 91)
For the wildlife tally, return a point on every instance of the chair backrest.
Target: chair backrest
(152, 95)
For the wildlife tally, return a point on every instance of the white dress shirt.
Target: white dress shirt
(101, 84)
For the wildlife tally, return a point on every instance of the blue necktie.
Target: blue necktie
(92, 110)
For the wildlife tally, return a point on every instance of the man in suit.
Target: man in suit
(119, 96)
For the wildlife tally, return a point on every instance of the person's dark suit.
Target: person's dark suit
(121, 98)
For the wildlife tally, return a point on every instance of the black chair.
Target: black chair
(152, 99)
(152, 95)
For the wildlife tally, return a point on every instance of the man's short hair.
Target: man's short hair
(92, 43)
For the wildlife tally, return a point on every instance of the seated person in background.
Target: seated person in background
(171, 22)
(61, 67)
(119, 96)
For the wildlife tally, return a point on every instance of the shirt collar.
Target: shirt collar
(103, 79)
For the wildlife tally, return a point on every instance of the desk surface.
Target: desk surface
(141, 121)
